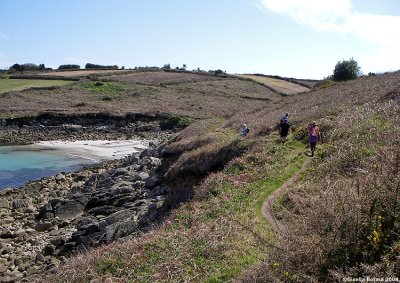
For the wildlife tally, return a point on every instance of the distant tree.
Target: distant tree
(218, 72)
(69, 67)
(41, 67)
(16, 68)
(95, 66)
(346, 70)
(184, 66)
(167, 67)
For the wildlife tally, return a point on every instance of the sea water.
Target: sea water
(19, 164)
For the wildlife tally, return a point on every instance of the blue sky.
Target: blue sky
(292, 38)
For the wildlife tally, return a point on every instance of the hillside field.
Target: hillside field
(7, 85)
(279, 85)
(177, 93)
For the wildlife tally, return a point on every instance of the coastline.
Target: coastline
(94, 150)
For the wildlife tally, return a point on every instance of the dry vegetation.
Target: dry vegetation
(160, 77)
(279, 85)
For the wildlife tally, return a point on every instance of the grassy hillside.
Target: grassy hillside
(342, 214)
(207, 96)
(8, 85)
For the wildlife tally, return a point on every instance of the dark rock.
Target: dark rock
(68, 209)
(6, 234)
(152, 182)
(40, 257)
(103, 210)
(120, 229)
(119, 171)
(49, 249)
(45, 212)
(43, 226)
(119, 201)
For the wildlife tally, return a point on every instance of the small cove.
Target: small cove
(20, 164)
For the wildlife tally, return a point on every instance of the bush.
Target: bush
(69, 67)
(94, 66)
(346, 70)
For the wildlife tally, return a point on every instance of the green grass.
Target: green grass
(7, 85)
(104, 88)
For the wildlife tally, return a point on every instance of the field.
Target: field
(282, 86)
(159, 77)
(7, 85)
(209, 96)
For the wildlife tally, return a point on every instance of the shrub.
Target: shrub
(346, 70)
(69, 67)
(94, 66)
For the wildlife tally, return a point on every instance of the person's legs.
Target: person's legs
(313, 146)
(283, 139)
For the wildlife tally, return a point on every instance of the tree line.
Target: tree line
(344, 70)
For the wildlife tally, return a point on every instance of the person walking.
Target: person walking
(244, 131)
(313, 136)
(284, 127)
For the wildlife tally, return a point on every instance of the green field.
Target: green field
(7, 85)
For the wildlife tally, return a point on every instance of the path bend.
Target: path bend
(266, 209)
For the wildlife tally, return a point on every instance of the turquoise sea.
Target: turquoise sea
(19, 164)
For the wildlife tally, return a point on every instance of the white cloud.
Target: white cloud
(340, 16)
(320, 15)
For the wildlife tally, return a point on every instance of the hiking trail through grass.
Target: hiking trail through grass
(267, 207)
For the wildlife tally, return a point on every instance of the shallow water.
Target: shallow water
(19, 164)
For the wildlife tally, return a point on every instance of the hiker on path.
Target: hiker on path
(313, 136)
(284, 127)
(244, 131)
(285, 118)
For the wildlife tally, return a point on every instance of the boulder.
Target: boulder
(21, 203)
(68, 209)
(43, 226)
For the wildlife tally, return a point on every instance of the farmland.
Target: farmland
(7, 85)
(279, 85)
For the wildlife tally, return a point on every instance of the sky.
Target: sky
(291, 38)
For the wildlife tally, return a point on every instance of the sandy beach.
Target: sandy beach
(95, 150)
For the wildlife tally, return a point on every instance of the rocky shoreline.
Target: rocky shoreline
(45, 221)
